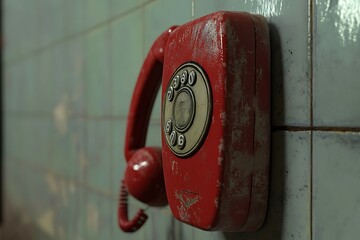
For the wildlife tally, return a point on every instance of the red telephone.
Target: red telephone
(213, 166)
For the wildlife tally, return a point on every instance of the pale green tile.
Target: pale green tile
(78, 138)
(336, 39)
(74, 16)
(73, 197)
(14, 186)
(95, 12)
(80, 227)
(58, 77)
(66, 148)
(156, 111)
(29, 86)
(184, 231)
(97, 78)
(46, 82)
(39, 140)
(50, 21)
(336, 197)
(98, 155)
(200, 234)
(92, 216)
(154, 134)
(19, 84)
(60, 148)
(175, 13)
(159, 220)
(10, 128)
(118, 8)
(105, 216)
(38, 184)
(98, 212)
(25, 139)
(12, 135)
(74, 75)
(21, 30)
(119, 161)
(11, 85)
(126, 60)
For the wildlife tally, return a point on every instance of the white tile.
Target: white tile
(288, 21)
(336, 63)
(336, 181)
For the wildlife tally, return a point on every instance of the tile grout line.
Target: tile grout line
(192, 9)
(316, 129)
(311, 52)
(39, 50)
(112, 160)
(291, 128)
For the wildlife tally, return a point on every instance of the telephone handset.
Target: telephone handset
(213, 166)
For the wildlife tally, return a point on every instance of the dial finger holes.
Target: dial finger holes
(186, 111)
(181, 141)
(170, 93)
(173, 138)
(168, 126)
(176, 82)
(192, 78)
(184, 77)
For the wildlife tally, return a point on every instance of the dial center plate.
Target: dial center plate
(184, 109)
(187, 107)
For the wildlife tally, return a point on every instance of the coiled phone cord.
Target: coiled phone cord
(124, 223)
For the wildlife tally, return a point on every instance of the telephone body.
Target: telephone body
(215, 118)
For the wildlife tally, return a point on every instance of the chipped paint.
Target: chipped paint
(221, 146)
(216, 202)
(46, 222)
(92, 218)
(205, 35)
(174, 167)
(57, 187)
(187, 199)
(226, 161)
(223, 118)
(61, 114)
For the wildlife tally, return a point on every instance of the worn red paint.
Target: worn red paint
(224, 185)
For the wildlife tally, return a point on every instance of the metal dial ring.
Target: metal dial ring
(188, 108)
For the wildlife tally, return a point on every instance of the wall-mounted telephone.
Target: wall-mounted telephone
(213, 165)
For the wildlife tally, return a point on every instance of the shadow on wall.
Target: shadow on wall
(273, 225)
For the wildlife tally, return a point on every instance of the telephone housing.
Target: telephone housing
(215, 73)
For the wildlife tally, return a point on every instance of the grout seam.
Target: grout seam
(41, 49)
(311, 62)
(316, 129)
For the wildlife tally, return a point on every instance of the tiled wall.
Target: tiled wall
(69, 70)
